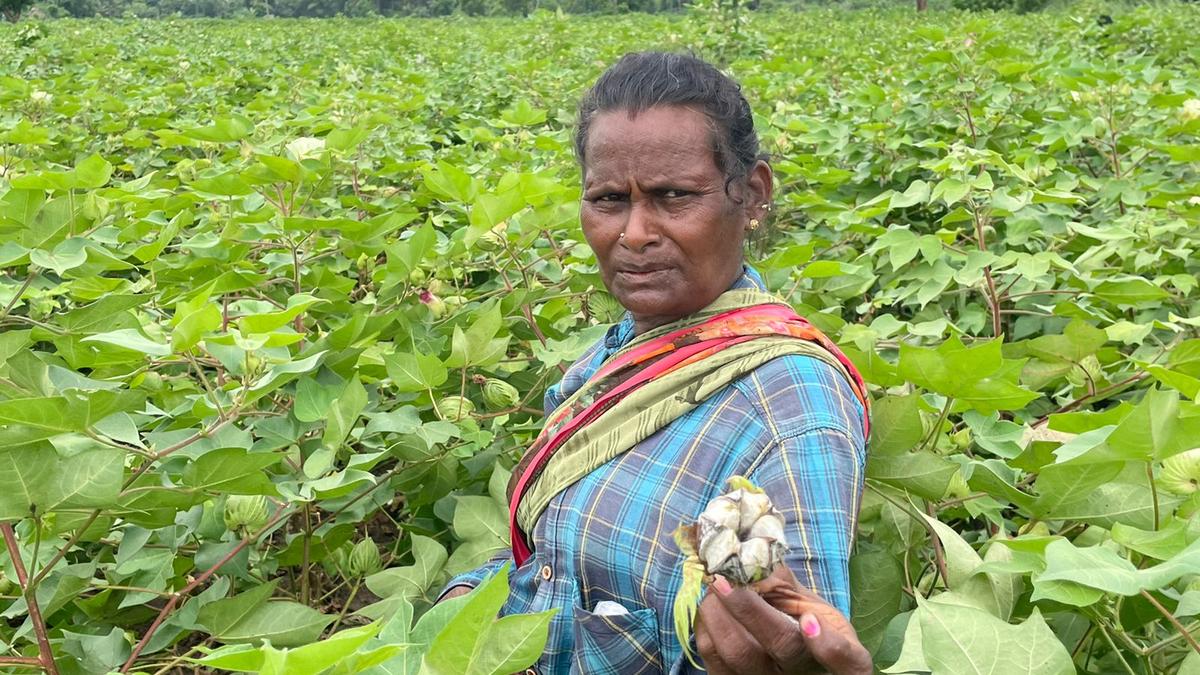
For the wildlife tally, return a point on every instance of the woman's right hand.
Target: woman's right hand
(455, 592)
(742, 631)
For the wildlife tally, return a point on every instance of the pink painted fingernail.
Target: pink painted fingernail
(810, 625)
(722, 585)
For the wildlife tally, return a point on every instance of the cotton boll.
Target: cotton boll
(754, 505)
(717, 547)
(769, 527)
(755, 555)
(722, 512)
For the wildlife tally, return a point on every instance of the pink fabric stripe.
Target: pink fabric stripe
(633, 355)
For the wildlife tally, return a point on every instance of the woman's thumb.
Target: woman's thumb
(833, 651)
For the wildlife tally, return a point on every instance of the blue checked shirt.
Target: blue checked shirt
(793, 426)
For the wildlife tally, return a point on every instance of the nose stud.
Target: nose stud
(621, 236)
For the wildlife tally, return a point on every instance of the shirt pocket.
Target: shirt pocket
(616, 644)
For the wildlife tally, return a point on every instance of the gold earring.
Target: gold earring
(753, 224)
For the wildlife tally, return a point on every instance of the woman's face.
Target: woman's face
(654, 178)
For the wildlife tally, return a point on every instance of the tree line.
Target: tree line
(331, 8)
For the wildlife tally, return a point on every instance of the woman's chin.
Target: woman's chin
(653, 308)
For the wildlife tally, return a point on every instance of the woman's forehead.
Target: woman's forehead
(671, 138)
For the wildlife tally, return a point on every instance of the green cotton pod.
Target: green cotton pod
(1181, 473)
(339, 559)
(454, 408)
(364, 559)
(604, 307)
(500, 395)
(494, 239)
(245, 512)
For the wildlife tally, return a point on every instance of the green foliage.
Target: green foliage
(236, 266)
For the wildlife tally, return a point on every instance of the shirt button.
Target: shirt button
(547, 573)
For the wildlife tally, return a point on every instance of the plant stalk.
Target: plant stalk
(181, 596)
(45, 653)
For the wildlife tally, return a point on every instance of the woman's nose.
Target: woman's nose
(641, 230)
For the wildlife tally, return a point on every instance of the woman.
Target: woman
(707, 377)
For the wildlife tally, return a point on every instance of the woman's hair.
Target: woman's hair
(642, 80)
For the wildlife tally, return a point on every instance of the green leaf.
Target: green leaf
(282, 622)
(67, 255)
(451, 183)
(36, 477)
(962, 563)
(1162, 544)
(1092, 566)
(951, 367)
(415, 372)
(511, 643)
(220, 616)
(896, 425)
(1129, 292)
(222, 130)
(491, 209)
(131, 339)
(452, 650)
(916, 193)
(231, 471)
(1148, 431)
(1077, 341)
(876, 582)
(478, 345)
(92, 173)
(193, 325)
(310, 659)
(922, 473)
(523, 114)
(958, 639)
(344, 413)
(481, 524)
(265, 323)
(412, 581)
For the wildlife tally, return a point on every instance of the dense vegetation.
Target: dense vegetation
(346, 8)
(244, 267)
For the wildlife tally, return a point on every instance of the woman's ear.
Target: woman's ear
(760, 188)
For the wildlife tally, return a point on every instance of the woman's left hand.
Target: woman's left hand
(747, 631)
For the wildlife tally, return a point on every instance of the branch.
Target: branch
(1174, 622)
(45, 654)
(33, 272)
(993, 298)
(181, 596)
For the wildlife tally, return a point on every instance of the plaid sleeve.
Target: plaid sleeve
(815, 479)
(477, 576)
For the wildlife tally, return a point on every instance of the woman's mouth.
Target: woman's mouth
(642, 274)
